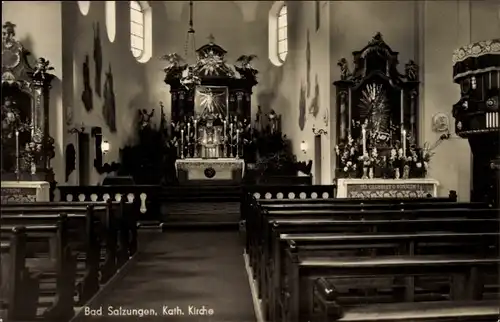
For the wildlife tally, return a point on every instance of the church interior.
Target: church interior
(267, 161)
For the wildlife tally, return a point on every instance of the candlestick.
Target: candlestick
(363, 132)
(182, 143)
(18, 170)
(225, 133)
(403, 140)
(195, 139)
(237, 143)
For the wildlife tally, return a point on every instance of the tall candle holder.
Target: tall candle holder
(195, 143)
(237, 144)
(182, 144)
(18, 168)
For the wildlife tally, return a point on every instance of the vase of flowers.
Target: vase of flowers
(33, 150)
(366, 161)
(347, 152)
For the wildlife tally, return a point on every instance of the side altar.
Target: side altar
(211, 115)
(378, 153)
(27, 148)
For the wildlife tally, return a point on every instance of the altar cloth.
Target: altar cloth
(197, 169)
(25, 191)
(386, 188)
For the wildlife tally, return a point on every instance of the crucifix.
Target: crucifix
(211, 38)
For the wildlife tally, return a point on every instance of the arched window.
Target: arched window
(136, 29)
(110, 9)
(141, 30)
(282, 33)
(278, 33)
(84, 7)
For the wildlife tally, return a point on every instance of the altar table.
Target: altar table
(386, 188)
(210, 171)
(25, 191)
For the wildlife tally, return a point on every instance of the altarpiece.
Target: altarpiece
(378, 105)
(210, 110)
(27, 147)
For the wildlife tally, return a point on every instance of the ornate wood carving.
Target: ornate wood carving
(476, 68)
(28, 87)
(210, 69)
(375, 92)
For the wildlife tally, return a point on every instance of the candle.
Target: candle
(225, 134)
(188, 132)
(363, 132)
(195, 132)
(231, 132)
(403, 140)
(237, 141)
(182, 143)
(17, 157)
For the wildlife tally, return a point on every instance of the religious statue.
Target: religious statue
(273, 121)
(245, 61)
(41, 67)
(411, 71)
(345, 74)
(174, 60)
(145, 118)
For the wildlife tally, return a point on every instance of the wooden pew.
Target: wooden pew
(363, 245)
(80, 215)
(294, 307)
(260, 231)
(17, 282)
(124, 215)
(254, 210)
(264, 265)
(62, 265)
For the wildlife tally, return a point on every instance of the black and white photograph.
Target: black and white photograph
(250, 161)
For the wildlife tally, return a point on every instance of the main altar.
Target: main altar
(210, 113)
(378, 153)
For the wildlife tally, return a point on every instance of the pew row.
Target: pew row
(25, 266)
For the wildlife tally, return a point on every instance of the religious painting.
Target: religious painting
(211, 100)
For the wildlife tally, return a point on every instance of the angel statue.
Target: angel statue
(345, 74)
(145, 118)
(411, 71)
(41, 67)
(174, 60)
(245, 61)
(189, 78)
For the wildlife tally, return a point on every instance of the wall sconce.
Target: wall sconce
(105, 147)
(303, 146)
(319, 132)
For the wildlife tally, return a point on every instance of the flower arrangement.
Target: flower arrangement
(348, 154)
(386, 159)
(32, 153)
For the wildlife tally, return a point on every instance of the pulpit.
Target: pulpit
(210, 102)
(476, 68)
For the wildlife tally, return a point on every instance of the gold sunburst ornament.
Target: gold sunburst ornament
(374, 108)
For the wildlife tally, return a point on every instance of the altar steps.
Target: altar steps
(192, 207)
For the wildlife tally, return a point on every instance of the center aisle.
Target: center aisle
(185, 271)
